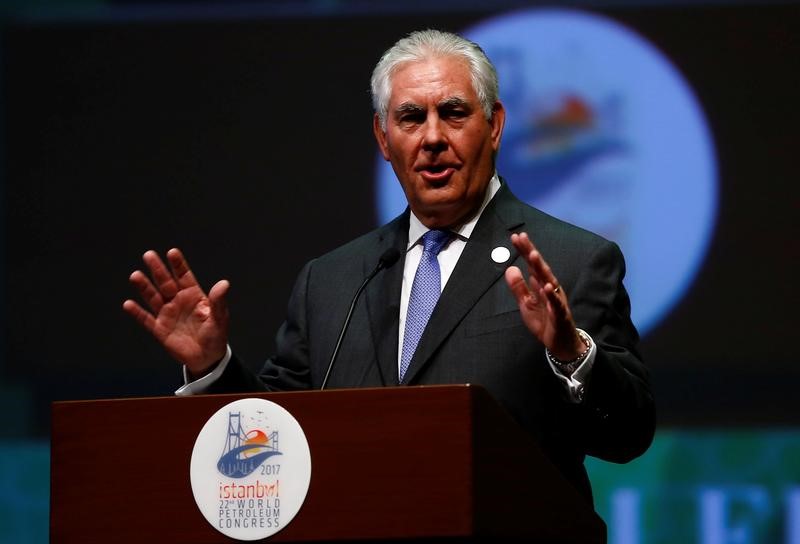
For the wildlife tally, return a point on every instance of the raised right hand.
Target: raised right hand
(192, 326)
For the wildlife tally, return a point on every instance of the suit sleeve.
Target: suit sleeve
(289, 368)
(617, 418)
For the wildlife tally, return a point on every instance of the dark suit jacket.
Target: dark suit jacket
(476, 335)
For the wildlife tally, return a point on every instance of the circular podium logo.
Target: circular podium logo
(250, 469)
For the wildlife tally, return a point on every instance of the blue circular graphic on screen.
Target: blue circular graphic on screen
(602, 131)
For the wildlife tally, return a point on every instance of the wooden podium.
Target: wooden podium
(437, 462)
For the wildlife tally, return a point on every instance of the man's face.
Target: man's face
(439, 141)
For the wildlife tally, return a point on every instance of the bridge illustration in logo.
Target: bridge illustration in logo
(245, 451)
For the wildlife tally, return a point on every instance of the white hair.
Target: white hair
(425, 44)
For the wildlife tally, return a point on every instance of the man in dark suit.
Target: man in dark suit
(578, 391)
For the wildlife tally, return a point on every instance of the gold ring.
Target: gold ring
(557, 288)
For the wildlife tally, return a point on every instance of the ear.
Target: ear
(498, 121)
(380, 136)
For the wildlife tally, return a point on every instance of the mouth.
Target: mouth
(437, 174)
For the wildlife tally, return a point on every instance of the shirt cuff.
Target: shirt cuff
(201, 384)
(574, 383)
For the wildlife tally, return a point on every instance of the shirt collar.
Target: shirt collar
(416, 229)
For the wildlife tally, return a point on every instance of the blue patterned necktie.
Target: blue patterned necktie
(425, 292)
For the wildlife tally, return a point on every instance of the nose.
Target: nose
(434, 137)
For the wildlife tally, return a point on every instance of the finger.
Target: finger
(180, 268)
(558, 302)
(537, 266)
(516, 283)
(147, 291)
(546, 275)
(528, 251)
(162, 278)
(533, 279)
(216, 297)
(522, 244)
(142, 316)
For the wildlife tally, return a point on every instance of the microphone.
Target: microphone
(386, 260)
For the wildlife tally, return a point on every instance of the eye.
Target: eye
(412, 118)
(454, 113)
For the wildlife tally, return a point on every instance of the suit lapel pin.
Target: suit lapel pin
(500, 254)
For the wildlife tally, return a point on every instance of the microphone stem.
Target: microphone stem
(346, 323)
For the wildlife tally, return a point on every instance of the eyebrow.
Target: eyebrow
(408, 107)
(449, 102)
(453, 102)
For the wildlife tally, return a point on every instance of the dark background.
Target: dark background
(247, 142)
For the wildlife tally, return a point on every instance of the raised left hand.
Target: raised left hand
(543, 303)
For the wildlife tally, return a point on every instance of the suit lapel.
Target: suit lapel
(474, 274)
(383, 299)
